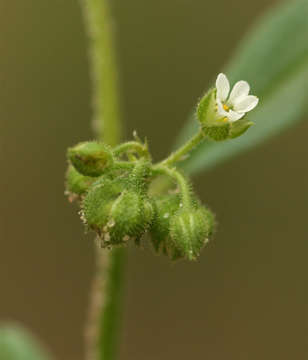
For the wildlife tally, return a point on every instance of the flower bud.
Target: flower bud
(90, 158)
(115, 212)
(131, 214)
(97, 203)
(190, 230)
(77, 184)
(165, 207)
(138, 179)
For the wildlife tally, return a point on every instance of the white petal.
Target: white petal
(246, 104)
(234, 116)
(220, 109)
(222, 86)
(240, 90)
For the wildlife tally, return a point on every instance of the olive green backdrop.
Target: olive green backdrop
(247, 296)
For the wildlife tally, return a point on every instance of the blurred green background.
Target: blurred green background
(247, 296)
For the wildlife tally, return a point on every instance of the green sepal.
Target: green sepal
(217, 133)
(190, 230)
(115, 212)
(139, 177)
(130, 216)
(165, 207)
(239, 127)
(77, 184)
(91, 158)
(97, 203)
(206, 109)
(213, 125)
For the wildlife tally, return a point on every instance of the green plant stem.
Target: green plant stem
(111, 312)
(182, 152)
(105, 304)
(103, 70)
(180, 180)
(131, 146)
(103, 324)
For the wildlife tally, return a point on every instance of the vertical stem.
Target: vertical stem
(102, 329)
(103, 70)
(105, 305)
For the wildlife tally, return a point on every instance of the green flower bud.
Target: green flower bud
(115, 212)
(138, 179)
(131, 215)
(165, 207)
(97, 203)
(190, 231)
(91, 158)
(77, 184)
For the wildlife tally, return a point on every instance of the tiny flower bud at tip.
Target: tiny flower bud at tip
(90, 158)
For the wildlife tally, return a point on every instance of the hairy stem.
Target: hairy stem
(105, 302)
(179, 179)
(132, 146)
(103, 70)
(182, 152)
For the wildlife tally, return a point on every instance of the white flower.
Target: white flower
(238, 103)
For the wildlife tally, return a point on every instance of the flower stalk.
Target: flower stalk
(183, 152)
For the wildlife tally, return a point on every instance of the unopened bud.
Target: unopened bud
(131, 215)
(90, 158)
(77, 184)
(190, 230)
(116, 213)
(165, 207)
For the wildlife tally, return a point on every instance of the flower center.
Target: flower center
(226, 107)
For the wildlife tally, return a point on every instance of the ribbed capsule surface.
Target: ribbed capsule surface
(190, 230)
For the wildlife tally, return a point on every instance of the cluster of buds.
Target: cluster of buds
(115, 187)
